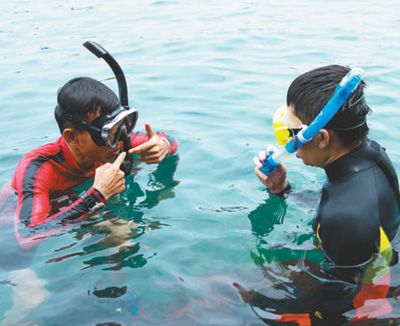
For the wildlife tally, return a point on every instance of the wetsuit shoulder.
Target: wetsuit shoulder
(32, 161)
(356, 201)
(43, 174)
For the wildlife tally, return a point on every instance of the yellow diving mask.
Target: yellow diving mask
(285, 125)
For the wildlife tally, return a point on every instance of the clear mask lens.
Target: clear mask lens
(115, 134)
(285, 125)
(122, 123)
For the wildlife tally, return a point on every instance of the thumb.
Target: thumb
(149, 130)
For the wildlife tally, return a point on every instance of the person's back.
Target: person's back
(358, 214)
(358, 211)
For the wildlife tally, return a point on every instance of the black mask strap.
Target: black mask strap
(94, 132)
(295, 142)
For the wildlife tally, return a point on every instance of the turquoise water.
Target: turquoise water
(211, 74)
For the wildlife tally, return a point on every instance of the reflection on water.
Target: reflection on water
(300, 287)
(117, 230)
(210, 73)
(109, 239)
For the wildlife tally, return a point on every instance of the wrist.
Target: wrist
(102, 193)
(93, 199)
(284, 190)
(98, 194)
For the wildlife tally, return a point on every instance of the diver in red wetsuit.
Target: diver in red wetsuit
(97, 141)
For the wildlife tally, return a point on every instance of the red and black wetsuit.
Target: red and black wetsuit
(50, 171)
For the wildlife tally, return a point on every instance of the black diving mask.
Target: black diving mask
(107, 129)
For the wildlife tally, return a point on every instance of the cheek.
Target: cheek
(89, 146)
(299, 153)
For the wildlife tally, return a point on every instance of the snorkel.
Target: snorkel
(101, 53)
(342, 92)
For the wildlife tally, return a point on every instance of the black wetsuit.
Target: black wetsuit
(357, 217)
(359, 200)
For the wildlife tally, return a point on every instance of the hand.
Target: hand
(109, 179)
(276, 182)
(154, 150)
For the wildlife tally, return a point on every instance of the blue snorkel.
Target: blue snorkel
(342, 92)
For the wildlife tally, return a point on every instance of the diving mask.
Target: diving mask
(342, 92)
(108, 129)
(286, 125)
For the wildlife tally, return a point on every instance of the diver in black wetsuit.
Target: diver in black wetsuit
(358, 214)
(357, 217)
(359, 205)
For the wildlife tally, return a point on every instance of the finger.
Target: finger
(119, 185)
(120, 175)
(257, 162)
(150, 159)
(153, 150)
(263, 177)
(141, 148)
(262, 156)
(118, 161)
(149, 130)
(271, 148)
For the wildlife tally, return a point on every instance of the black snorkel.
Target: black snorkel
(101, 53)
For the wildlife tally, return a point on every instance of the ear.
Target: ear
(70, 135)
(324, 139)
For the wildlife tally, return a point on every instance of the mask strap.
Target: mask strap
(357, 101)
(362, 123)
(293, 135)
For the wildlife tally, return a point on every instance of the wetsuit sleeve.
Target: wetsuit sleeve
(34, 205)
(140, 138)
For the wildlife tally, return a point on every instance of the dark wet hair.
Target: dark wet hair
(309, 93)
(80, 96)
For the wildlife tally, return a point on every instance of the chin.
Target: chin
(104, 160)
(111, 158)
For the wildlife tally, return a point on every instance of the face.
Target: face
(87, 148)
(310, 153)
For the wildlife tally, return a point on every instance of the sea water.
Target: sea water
(211, 74)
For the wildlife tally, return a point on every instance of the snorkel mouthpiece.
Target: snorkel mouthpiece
(100, 52)
(342, 92)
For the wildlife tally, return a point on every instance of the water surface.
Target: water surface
(211, 74)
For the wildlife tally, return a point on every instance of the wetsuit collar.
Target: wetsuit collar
(350, 163)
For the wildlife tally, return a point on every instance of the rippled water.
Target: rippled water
(210, 73)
